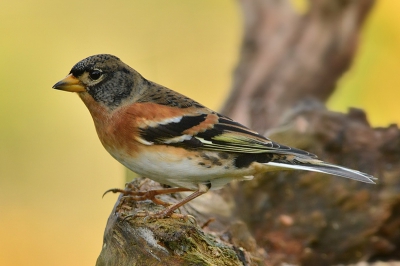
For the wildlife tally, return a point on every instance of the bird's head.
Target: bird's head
(104, 77)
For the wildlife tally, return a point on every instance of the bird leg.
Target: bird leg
(168, 211)
(147, 195)
(151, 195)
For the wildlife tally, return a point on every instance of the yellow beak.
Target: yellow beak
(69, 83)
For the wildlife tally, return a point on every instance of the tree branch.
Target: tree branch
(287, 57)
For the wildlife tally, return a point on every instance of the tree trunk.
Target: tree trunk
(287, 57)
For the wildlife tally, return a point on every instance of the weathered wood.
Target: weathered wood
(308, 218)
(171, 241)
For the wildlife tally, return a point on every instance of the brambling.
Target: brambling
(174, 140)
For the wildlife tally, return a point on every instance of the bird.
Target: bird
(167, 137)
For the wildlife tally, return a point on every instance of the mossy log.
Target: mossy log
(177, 240)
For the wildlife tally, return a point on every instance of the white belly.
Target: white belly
(183, 171)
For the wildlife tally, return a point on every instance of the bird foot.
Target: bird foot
(141, 195)
(169, 211)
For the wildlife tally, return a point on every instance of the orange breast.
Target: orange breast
(118, 129)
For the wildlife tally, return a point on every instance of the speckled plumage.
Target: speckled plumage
(170, 138)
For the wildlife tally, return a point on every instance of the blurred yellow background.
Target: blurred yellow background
(53, 169)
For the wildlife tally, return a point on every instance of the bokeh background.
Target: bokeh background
(53, 169)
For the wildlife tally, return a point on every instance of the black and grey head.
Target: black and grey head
(106, 78)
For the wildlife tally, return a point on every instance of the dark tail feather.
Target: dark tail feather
(322, 167)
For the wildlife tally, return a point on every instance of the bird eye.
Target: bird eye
(95, 74)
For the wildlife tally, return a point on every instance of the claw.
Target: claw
(128, 217)
(212, 219)
(113, 190)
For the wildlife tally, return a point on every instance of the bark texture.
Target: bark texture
(171, 241)
(306, 218)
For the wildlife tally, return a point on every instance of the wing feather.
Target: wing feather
(212, 131)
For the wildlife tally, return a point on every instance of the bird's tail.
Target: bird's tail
(316, 165)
